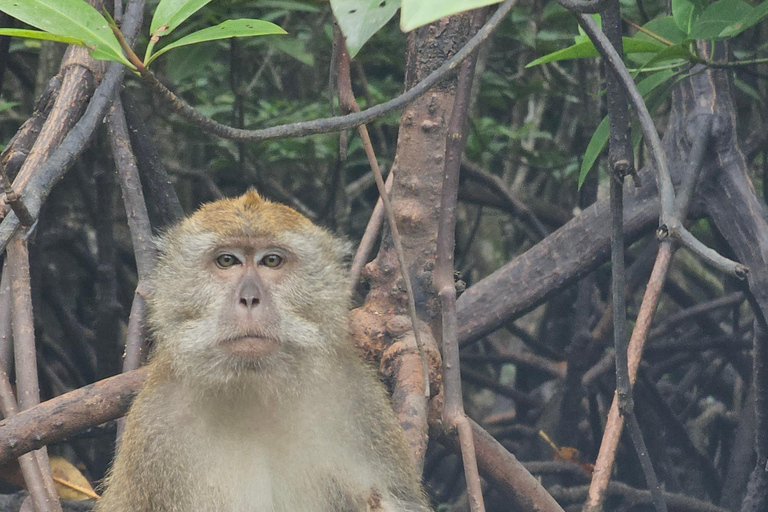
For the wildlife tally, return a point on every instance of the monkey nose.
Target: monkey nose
(249, 301)
(249, 293)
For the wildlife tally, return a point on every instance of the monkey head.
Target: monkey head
(245, 286)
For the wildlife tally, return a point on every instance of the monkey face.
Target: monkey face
(235, 292)
(248, 274)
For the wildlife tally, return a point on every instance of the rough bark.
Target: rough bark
(418, 169)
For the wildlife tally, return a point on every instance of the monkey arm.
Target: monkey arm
(140, 482)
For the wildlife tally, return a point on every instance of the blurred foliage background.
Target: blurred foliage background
(529, 128)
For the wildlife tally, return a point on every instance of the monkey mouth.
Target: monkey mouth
(250, 346)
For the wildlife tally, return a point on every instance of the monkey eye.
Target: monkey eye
(272, 260)
(226, 260)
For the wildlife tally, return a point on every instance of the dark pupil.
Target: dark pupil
(226, 260)
(272, 260)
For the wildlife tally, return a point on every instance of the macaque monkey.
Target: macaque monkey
(256, 400)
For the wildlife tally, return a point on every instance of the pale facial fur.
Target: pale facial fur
(256, 401)
(201, 319)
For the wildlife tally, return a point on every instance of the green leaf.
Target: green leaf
(748, 89)
(684, 12)
(596, 144)
(600, 137)
(651, 82)
(360, 19)
(577, 51)
(718, 17)
(670, 53)
(7, 105)
(664, 27)
(587, 49)
(295, 48)
(749, 20)
(288, 5)
(173, 13)
(582, 36)
(189, 61)
(416, 13)
(632, 45)
(69, 18)
(681, 13)
(230, 28)
(37, 34)
(636, 135)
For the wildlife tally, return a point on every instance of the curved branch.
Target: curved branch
(707, 254)
(68, 414)
(584, 6)
(331, 124)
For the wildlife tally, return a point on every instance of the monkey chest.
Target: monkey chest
(274, 474)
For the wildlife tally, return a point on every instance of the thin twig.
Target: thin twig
(517, 206)
(246, 91)
(585, 6)
(522, 400)
(454, 416)
(623, 388)
(14, 200)
(27, 384)
(615, 421)
(682, 202)
(645, 462)
(133, 195)
(523, 358)
(347, 100)
(6, 340)
(649, 33)
(138, 224)
(30, 470)
(508, 475)
(693, 167)
(622, 163)
(634, 498)
(372, 230)
(78, 488)
(672, 322)
(651, 136)
(709, 255)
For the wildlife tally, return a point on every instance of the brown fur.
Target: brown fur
(306, 429)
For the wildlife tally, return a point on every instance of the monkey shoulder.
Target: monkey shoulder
(371, 410)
